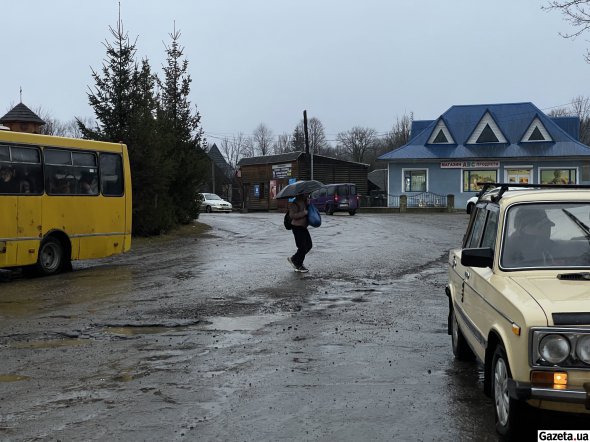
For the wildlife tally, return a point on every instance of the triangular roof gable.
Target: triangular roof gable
(536, 132)
(487, 131)
(441, 134)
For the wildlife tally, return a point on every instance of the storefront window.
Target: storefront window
(558, 176)
(472, 177)
(415, 181)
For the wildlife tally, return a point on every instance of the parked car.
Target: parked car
(332, 198)
(518, 299)
(211, 202)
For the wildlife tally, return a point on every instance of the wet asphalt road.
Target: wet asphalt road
(216, 338)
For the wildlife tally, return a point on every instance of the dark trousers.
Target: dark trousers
(303, 243)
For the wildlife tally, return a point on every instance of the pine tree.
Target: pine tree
(182, 132)
(111, 97)
(152, 169)
(125, 107)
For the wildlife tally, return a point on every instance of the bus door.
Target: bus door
(26, 162)
(29, 230)
(8, 245)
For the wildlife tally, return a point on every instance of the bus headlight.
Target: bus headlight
(583, 349)
(554, 348)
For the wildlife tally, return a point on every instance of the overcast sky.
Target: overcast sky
(349, 63)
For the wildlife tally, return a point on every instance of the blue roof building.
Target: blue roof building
(512, 142)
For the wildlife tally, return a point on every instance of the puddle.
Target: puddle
(13, 378)
(246, 323)
(53, 343)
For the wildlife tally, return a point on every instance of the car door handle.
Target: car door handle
(467, 275)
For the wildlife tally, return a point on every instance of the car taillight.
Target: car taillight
(336, 198)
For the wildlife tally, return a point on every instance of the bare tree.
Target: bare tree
(356, 142)
(73, 126)
(318, 144)
(233, 149)
(580, 107)
(577, 13)
(262, 138)
(283, 144)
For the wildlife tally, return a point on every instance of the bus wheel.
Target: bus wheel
(51, 257)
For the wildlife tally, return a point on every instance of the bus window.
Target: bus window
(70, 173)
(111, 174)
(28, 170)
(4, 153)
(20, 170)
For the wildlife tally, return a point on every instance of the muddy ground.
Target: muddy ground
(212, 336)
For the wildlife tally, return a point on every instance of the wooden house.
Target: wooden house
(262, 178)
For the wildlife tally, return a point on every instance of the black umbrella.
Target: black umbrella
(299, 188)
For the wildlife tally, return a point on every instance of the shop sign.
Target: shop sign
(281, 170)
(470, 164)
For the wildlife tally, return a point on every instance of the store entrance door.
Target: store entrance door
(519, 176)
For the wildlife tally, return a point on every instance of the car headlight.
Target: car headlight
(583, 349)
(555, 348)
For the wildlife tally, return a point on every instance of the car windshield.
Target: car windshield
(555, 235)
(212, 196)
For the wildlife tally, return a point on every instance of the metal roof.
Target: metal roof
(21, 114)
(270, 159)
(513, 120)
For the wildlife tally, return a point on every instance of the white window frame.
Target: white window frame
(538, 124)
(412, 169)
(577, 169)
(527, 166)
(441, 126)
(487, 119)
(473, 168)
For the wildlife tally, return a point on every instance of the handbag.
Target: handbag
(314, 218)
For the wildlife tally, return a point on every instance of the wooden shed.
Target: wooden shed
(261, 178)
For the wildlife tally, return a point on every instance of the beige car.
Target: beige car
(519, 299)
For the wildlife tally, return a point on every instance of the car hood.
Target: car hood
(555, 295)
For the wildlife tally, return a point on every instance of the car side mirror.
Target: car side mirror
(482, 257)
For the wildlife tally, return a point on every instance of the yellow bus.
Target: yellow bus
(62, 199)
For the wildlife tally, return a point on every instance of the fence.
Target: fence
(424, 200)
(427, 199)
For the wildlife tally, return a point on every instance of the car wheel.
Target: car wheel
(51, 257)
(508, 412)
(469, 207)
(461, 349)
(208, 209)
(352, 212)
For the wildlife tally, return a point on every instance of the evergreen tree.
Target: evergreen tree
(111, 97)
(152, 169)
(182, 133)
(125, 107)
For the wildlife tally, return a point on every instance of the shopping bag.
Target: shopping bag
(314, 218)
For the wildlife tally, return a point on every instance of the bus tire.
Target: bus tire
(51, 259)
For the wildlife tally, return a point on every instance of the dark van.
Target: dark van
(332, 198)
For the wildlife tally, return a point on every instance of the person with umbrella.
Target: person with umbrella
(298, 215)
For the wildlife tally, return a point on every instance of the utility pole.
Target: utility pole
(305, 134)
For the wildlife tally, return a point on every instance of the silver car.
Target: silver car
(211, 202)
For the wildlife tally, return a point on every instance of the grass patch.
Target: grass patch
(191, 230)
